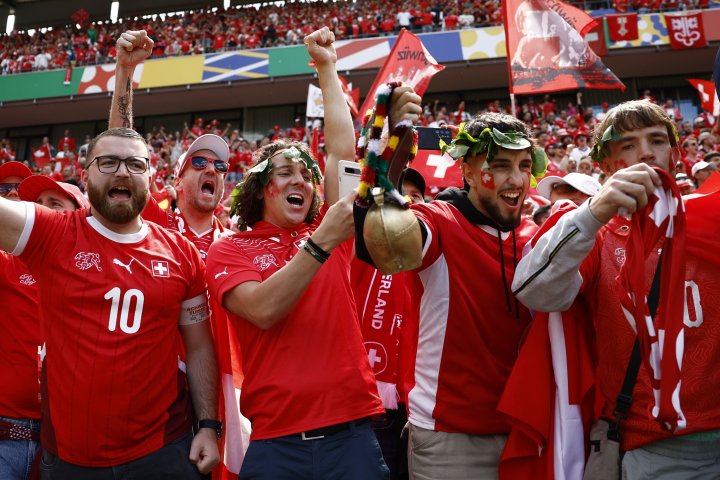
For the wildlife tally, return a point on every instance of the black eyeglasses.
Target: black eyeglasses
(200, 163)
(6, 188)
(111, 164)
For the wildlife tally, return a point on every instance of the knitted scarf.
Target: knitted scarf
(661, 338)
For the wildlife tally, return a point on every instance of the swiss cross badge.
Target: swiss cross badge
(160, 268)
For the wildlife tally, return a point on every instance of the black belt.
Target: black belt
(323, 432)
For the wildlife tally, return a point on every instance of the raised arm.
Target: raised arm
(12, 222)
(339, 130)
(133, 47)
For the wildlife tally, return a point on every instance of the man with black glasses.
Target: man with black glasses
(117, 295)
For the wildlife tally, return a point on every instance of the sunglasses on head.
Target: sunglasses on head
(6, 188)
(200, 163)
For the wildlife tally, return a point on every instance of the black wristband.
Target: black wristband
(317, 249)
(216, 425)
(313, 253)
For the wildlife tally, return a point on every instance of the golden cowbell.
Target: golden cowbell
(392, 236)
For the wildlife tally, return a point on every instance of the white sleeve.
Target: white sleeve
(548, 278)
(25, 235)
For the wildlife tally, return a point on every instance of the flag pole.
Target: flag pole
(513, 111)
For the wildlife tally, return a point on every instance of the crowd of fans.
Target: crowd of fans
(248, 27)
(564, 131)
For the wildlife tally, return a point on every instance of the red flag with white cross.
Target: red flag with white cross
(708, 96)
(439, 171)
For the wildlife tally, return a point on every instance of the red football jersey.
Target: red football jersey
(615, 337)
(310, 369)
(174, 220)
(113, 389)
(20, 340)
(468, 336)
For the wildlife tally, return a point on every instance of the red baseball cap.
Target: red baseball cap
(14, 169)
(31, 188)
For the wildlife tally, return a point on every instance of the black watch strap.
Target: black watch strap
(214, 424)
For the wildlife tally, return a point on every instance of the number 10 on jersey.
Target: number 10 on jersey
(123, 307)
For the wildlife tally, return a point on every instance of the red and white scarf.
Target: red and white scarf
(380, 302)
(661, 338)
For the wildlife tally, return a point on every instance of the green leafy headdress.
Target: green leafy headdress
(489, 141)
(263, 169)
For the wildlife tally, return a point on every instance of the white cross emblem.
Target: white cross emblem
(377, 357)
(441, 164)
(160, 268)
(373, 358)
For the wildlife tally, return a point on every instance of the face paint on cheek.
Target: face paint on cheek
(619, 164)
(487, 179)
(272, 190)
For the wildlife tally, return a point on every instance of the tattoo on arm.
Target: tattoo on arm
(125, 104)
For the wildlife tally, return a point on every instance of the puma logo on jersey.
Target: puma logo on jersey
(224, 272)
(126, 267)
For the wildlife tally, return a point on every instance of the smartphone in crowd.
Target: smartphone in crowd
(429, 137)
(349, 173)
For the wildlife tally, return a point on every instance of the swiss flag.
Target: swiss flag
(686, 30)
(352, 95)
(622, 27)
(439, 171)
(708, 95)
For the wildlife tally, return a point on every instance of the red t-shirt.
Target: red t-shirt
(174, 220)
(468, 340)
(113, 389)
(309, 370)
(20, 340)
(615, 337)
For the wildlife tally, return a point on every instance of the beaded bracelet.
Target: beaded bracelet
(314, 254)
(323, 253)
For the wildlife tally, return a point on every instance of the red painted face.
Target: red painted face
(650, 145)
(288, 195)
(499, 190)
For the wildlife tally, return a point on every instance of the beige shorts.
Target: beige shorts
(453, 456)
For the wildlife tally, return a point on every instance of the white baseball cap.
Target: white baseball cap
(701, 165)
(584, 183)
(211, 142)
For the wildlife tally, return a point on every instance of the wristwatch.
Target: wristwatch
(216, 425)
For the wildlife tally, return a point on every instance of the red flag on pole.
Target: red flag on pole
(708, 95)
(352, 96)
(408, 62)
(315, 149)
(546, 49)
(622, 27)
(686, 30)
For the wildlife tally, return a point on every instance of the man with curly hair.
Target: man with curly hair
(308, 389)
